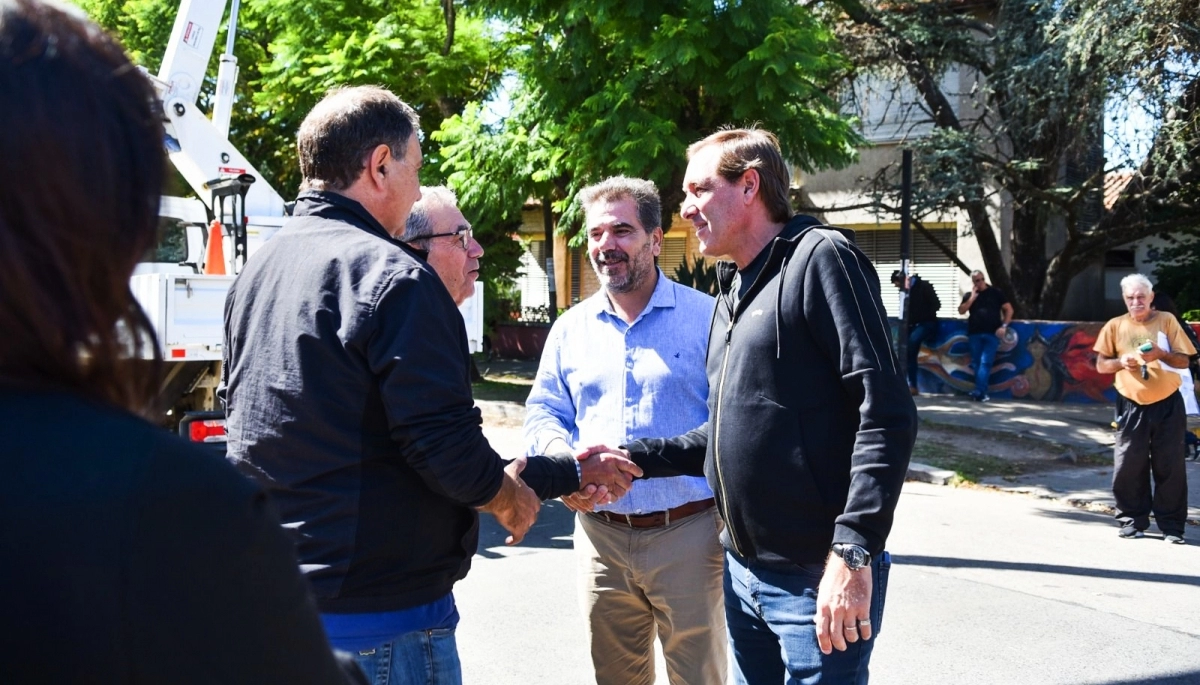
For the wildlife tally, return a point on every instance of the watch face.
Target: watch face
(854, 556)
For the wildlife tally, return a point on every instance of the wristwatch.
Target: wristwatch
(854, 556)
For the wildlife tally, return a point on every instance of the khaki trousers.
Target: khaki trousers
(634, 582)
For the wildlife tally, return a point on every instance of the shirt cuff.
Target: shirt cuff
(579, 473)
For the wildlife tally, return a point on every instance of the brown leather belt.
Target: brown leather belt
(656, 519)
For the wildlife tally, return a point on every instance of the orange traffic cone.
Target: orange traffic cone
(214, 259)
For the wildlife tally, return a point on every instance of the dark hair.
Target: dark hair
(643, 193)
(339, 134)
(743, 149)
(1165, 303)
(81, 169)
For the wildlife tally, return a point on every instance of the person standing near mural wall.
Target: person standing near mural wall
(1150, 412)
(990, 314)
(1163, 303)
(921, 307)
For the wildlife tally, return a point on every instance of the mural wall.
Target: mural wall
(1039, 360)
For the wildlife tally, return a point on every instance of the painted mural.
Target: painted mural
(1038, 360)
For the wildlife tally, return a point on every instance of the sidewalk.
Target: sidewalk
(1086, 428)
(1083, 427)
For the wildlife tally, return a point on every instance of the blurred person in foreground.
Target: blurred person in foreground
(347, 394)
(1136, 346)
(129, 555)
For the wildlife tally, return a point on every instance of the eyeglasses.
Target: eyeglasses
(977, 280)
(464, 234)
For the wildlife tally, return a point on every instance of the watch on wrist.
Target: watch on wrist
(854, 556)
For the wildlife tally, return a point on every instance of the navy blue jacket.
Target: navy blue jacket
(811, 424)
(348, 396)
(131, 556)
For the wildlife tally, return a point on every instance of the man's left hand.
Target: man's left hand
(843, 600)
(1154, 355)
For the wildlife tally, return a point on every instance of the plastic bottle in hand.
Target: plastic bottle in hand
(1144, 348)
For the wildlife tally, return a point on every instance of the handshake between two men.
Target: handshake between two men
(605, 475)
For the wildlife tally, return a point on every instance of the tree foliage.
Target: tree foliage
(290, 54)
(1034, 131)
(1178, 272)
(614, 87)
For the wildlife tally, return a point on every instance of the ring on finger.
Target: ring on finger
(850, 629)
(864, 622)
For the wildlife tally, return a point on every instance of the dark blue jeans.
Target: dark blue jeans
(771, 613)
(983, 353)
(422, 657)
(920, 334)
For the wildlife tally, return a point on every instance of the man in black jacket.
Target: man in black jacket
(348, 396)
(810, 425)
(921, 305)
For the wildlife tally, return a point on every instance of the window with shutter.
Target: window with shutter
(672, 254)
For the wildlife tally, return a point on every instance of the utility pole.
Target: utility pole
(905, 252)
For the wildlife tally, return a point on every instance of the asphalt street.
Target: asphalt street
(987, 587)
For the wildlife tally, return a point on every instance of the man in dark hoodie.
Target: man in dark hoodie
(810, 421)
(921, 305)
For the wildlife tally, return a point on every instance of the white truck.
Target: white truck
(186, 305)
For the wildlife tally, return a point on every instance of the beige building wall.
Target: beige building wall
(574, 278)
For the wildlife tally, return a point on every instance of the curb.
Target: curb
(923, 473)
(513, 413)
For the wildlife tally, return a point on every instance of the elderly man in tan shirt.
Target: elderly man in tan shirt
(1150, 414)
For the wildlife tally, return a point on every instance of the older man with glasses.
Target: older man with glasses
(987, 323)
(437, 227)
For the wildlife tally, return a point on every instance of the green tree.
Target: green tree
(1034, 127)
(289, 54)
(1178, 272)
(613, 87)
(495, 170)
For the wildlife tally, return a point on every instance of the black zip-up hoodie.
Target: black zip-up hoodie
(348, 396)
(811, 424)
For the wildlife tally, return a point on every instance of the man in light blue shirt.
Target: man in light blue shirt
(628, 362)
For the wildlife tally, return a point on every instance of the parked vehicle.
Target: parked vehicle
(182, 286)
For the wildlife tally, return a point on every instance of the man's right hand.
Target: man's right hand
(609, 469)
(515, 506)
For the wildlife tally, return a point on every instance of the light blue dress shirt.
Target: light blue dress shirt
(602, 381)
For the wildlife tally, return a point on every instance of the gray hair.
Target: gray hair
(339, 134)
(419, 222)
(1133, 281)
(977, 271)
(643, 193)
